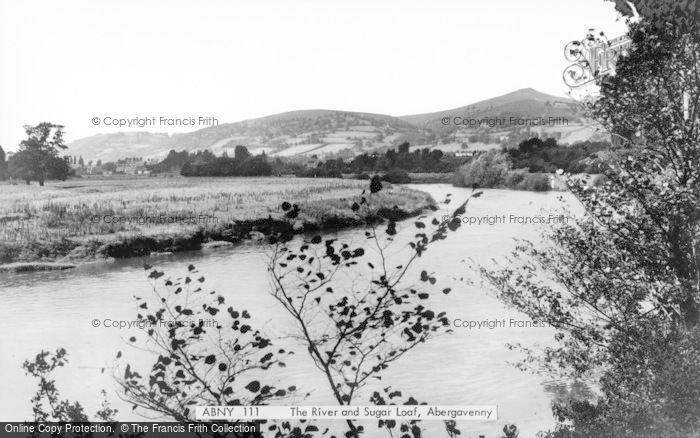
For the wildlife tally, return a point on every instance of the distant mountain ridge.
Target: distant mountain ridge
(326, 133)
(526, 102)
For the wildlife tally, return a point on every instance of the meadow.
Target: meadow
(78, 219)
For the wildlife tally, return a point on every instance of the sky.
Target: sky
(71, 61)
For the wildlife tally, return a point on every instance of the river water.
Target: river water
(469, 367)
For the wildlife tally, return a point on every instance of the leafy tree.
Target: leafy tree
(354, 331)
(46, 402)
(622, 284)
(682, 15)
(37, 158)
(206, 351)
(241, 153)
(489, 169)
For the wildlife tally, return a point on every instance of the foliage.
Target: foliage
(3, 165)
(207, 351)
(328, 169)
(519, 179)
(622, 284)
(684, 15)
(41, 368)
(354, 331)
(547, 156)
(37, 158)
(172, 162)
(420, 160)
(243, 164)
(396, 176)
(489, 169)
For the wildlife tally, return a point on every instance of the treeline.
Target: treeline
(530, 165)
(205, 163)
(525, 167)
(547, 156)
(243, 163)
(395, 163)
(392, 162)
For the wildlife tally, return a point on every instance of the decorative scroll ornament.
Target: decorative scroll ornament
(593, 57)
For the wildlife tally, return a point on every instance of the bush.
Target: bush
(535, 182)
(396, 176)
(489, 169)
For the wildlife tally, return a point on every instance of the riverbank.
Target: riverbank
(65, 224)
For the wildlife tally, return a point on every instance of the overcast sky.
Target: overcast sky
(69, 61)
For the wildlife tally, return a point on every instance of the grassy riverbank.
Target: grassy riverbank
(81, 220)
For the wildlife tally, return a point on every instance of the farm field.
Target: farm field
(80, 219)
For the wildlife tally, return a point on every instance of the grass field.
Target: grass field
(48, 223)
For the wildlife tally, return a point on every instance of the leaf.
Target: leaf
(253, 386)
(375, 184)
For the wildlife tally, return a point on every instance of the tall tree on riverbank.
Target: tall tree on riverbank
(622, 285)
(37, 158)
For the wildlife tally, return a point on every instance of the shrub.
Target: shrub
(396, 176)
(489, 169)
(535, 182)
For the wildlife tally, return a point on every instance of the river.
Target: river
(47, 310)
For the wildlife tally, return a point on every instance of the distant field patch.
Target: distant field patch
(298, 150)
(333, 148)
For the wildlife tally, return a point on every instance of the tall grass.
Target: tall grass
(74, 209)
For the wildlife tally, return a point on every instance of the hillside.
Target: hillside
(110, 147)
(567, 124)
(329, 133)
(296, 133)
(308, 132)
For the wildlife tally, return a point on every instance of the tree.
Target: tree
(683, 15)
(621, 285)
(47, 393)
(241, 153)
(489, 169)
(3, 165)
(37, 158)
(206, 352)
(353, 332)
